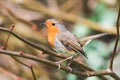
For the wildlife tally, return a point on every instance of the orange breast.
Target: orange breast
(52, 32)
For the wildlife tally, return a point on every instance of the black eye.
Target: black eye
(53, 24)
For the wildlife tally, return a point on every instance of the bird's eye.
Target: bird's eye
(53, 24)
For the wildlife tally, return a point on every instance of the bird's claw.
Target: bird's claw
(69, 68)
(59, 64)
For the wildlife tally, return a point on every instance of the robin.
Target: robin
(63, 41)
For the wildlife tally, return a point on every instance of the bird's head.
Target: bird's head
(51, 23)
(55, 25)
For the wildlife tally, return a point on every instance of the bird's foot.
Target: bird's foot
(69, 68)
(59, 62)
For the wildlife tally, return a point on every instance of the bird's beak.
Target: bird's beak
(42, 24)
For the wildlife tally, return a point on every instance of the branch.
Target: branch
(33, 73)
(5, 46)
(6, 42)
(115, 76)
(117, 40)
(28, 66)
(45, 61)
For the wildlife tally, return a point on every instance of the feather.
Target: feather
(84, 41)
(73, 47)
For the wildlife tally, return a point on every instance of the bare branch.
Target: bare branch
(117, 40)
(6, 42)
(34, 58)
(30, 67)
(115, 76)
(4, 47)
(19, 61)
(33, 73)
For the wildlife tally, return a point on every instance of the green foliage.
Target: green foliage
(71, 77)
(81, 30)
(98, 11)
(104, 15)
(96, 52)
(92, 78)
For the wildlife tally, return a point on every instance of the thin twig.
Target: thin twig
(6, 42)
(33, 73)
(30, 67)
(20, 61)
(117, 40)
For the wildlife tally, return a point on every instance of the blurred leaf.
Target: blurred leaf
(100, 47)
(71, 77)
(92, 78)
(81, 30)
(96, 50)
(108, 19)
(98, 10)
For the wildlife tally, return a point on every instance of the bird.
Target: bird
(63, 41)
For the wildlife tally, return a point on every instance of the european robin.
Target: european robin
(63, 41)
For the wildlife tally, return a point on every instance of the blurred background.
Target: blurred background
(82, 17)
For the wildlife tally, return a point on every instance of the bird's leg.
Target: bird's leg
(71, 60)
(68, 65)
(59, 62)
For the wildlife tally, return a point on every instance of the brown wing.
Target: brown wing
(71, 46)
(71, 42)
